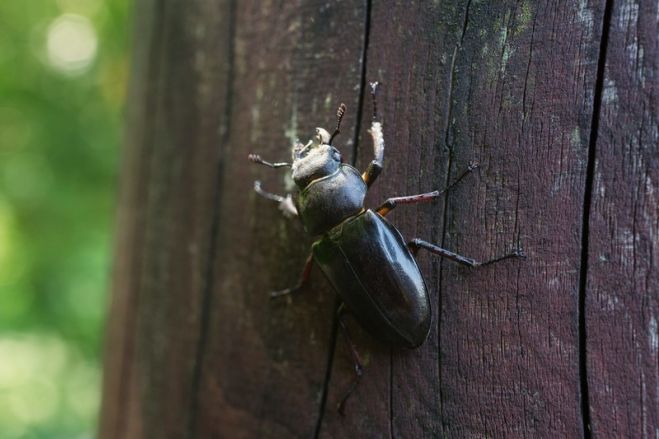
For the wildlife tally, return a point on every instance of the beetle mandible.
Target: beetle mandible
(364, 257)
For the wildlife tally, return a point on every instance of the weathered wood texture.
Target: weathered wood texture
(622, 294)
(556, 100)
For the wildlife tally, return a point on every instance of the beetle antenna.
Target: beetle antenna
(339, 117)
(374, 87)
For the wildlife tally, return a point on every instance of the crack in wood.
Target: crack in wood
(588, 193)
(209, 280)
(528, 68)
(328, 371)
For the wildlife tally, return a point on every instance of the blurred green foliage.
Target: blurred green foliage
(63, 69)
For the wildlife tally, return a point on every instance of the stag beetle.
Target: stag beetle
(363, 256)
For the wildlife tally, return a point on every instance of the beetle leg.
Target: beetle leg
(416, 244)
(304, 278)
(255, 158)
(359, 369)
(391, 203)
(375, 167)
(286, 204)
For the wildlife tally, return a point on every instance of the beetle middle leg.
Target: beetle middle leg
(359, 368)
(416, 244)
(391, 203)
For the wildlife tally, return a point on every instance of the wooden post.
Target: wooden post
(557, 101)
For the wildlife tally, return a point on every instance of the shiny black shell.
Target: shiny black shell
(327, 201)
(369, 265)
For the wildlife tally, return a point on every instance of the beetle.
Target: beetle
(363, 256)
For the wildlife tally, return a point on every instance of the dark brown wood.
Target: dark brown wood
(174, 131)
(622, 295)
(567, 146)
(521, 105)
(120, 405)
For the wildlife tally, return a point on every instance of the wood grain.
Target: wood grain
(622, 296)
(120, 402)
(176, 178)
(522, 106)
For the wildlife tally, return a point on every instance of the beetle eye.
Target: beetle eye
(336, 155)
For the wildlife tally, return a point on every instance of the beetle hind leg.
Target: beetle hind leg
(416, 244)
(304, 279)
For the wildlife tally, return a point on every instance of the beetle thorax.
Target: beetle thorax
(314, 160)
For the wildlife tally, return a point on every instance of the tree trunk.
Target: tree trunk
(557, 101)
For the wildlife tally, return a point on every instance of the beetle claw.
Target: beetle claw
(287, 206)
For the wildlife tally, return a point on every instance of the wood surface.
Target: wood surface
(556, 101)
(622, 290)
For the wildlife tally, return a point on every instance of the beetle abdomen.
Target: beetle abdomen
(329, 200)
(366, 260)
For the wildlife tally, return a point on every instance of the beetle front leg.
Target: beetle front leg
(304, 279)
(375, 167)
(286, 204)
(416, 244)
(359, 368)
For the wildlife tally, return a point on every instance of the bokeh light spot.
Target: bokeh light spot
(38, 363)
(71, 43)
(36, 401)
(82, 390)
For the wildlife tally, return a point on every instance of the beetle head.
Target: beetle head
(314, 160)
